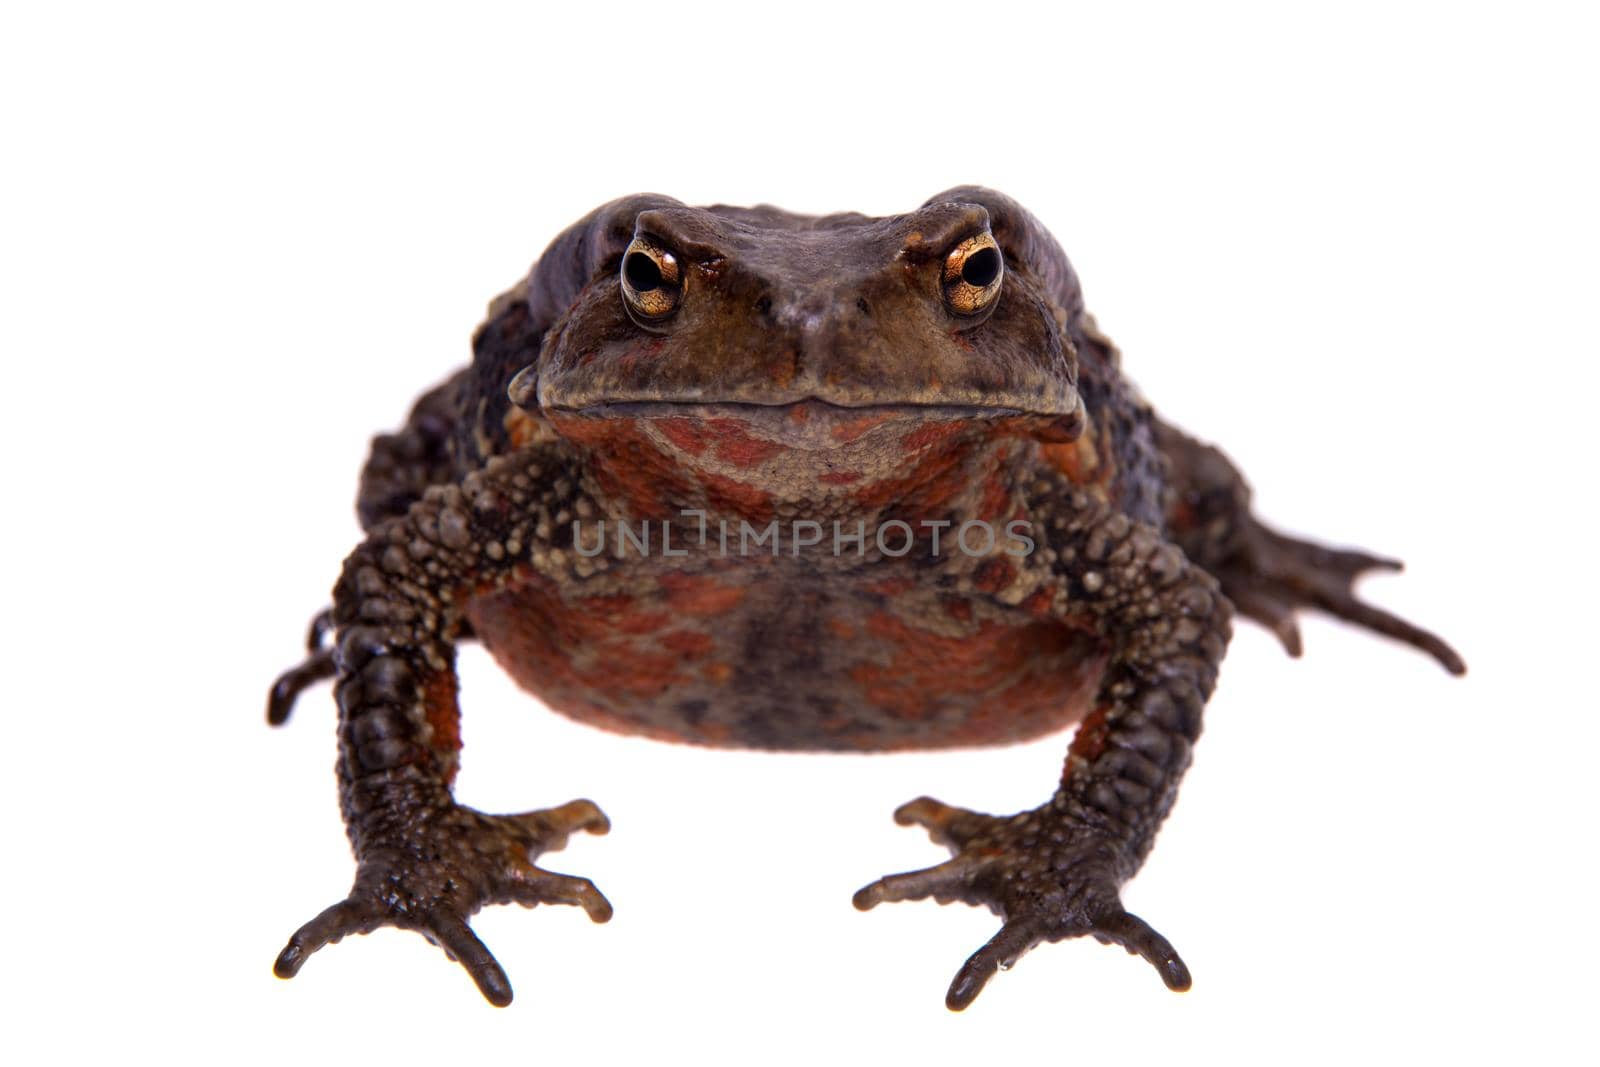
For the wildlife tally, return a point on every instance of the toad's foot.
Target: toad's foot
(1048, 875)
(443, 868)
(1271, 575)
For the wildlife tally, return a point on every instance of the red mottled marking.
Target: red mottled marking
(737, 446)
(687, 434)
(687, 642)
(1049, 429)
(583, 431)
(993, 575)
(740, 498)
(839, 477)
(650, 674)
(627, 464)
(1013, 674)
(996, 492)
(936, 478)
(932, 433)
(850, 430)
(700, 595)
(613, 662)
(891, 587)
(630, 465)
(609, 606)
(589, 655)
(442, 713)
(643, 622)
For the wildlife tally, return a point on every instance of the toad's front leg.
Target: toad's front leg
(424, 862)
(1054, 872)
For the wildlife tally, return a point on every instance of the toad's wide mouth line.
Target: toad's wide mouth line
(650, 408)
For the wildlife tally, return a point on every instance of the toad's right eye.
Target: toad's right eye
(652, 282)
(972, 275)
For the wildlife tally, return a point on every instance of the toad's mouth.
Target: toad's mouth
(1053, 408)
(813, 423)
(803, 408)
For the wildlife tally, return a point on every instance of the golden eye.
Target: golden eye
(972, 274)
(652, 283)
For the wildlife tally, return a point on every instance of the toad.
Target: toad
(753, 479)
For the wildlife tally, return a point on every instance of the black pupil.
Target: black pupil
(642, 273)
(981, 268)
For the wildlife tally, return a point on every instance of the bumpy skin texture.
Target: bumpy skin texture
(680, 373)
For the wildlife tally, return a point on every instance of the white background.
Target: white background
(1357, 248)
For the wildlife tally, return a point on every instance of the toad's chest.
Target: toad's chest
(765, 651)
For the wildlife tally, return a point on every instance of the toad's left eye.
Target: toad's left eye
(652, 283)
(972, 274)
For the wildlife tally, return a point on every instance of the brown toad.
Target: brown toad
(754, 479)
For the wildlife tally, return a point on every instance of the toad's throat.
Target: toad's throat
(805, 461)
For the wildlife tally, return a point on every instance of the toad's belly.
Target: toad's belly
(746, 660)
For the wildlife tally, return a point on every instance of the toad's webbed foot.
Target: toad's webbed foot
(1269, 575)
(433, 873)
(1049, 875)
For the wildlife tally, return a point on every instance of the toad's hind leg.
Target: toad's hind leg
(1267, 575)
(399, 468)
